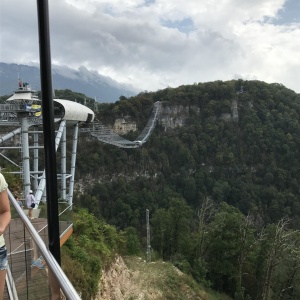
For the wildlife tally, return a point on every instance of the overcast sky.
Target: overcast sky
(153, 44)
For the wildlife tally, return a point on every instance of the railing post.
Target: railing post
(48, 127)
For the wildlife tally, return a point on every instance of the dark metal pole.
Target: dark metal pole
(49, 130)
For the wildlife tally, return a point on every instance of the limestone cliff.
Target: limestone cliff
(124, 125)
(172, 116)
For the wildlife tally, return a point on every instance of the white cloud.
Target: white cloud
(129, 41)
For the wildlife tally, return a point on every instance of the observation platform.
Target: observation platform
(31, 281)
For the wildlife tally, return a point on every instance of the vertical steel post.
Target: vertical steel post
(41, 188)
(48, 127)
(35, 157)
(63, 165)
(25, 155)
(73, 164)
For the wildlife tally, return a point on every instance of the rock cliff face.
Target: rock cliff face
(120, 283)
(173, 116)
(115, 282)
(170, 117)
(234, 110)
(176, 116)
(124, 125)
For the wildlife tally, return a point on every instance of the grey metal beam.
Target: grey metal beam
(25, 156)
(63, 164)
(73, 164)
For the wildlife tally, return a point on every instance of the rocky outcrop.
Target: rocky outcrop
(234, 110)
(176, 115)
(173, 116)
(115, 282)
(124, 125)
(120, 283)
(143, 280)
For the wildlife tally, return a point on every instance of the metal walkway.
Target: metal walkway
(33, 273)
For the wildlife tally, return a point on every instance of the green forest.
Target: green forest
(223, 194)
(223, 190)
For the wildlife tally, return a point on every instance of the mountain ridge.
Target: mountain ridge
(91, 83)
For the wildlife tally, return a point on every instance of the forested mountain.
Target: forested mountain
(220, 177)
(241, 146)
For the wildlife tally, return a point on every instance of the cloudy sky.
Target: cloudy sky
(153, 44)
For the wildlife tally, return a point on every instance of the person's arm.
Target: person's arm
(4, 211)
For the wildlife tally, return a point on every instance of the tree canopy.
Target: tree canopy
(238, 149)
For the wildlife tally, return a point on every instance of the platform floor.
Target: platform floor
(31, 282)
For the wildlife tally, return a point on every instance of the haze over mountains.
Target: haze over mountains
(90, 83)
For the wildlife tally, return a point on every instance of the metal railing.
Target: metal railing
(33, 272)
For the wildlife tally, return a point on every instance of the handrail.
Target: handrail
(11, 286)
(43, 228)
(67, 208)
(63, 281)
